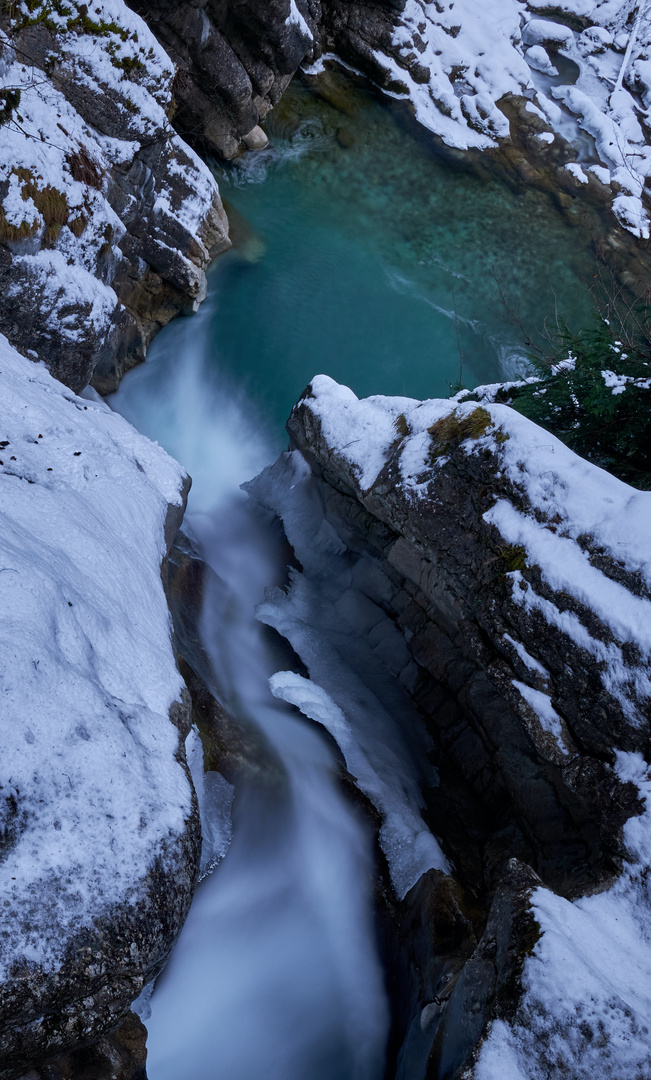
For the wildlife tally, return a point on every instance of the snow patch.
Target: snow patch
(296, 19)
(408, 845)
(587, 1005)
(545, 711)
(469, 54)
(91, 788)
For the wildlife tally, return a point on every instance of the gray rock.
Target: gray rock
(150, 220)
(511, 810)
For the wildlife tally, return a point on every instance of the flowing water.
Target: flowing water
(363, 255)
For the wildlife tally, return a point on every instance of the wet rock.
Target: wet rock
(256, 139)
(120, 1055)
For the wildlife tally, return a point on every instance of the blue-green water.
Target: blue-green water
(363, 254)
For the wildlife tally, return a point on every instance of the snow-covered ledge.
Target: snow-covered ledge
(99, 832)
(520, 575)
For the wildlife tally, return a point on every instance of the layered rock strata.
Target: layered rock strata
(519, 577)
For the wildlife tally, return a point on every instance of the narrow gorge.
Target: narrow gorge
(325, 758)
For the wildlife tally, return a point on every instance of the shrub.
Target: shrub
(594, 390)
(450, 431)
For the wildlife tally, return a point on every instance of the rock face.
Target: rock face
(233, 63)
(498, 86)
(107, 219)
(519, 576)
(235, 60)
(99, 830)
(120, 1056)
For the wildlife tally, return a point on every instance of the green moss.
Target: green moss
(42, 12)
(513, 557)
(451, 431)
(401, 426)
(77, 225)
(128, 64)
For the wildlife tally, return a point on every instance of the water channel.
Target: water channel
(362, 254)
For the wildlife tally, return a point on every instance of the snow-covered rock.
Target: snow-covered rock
(234, 62)
(520, 576)
(107, 218)
(460, 61)
(99, 835)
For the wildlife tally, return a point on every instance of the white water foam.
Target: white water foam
(275, 973)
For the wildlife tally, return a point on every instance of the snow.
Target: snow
(296, 19)
(468, 36)
(567, 568)
(538, 59)
(586, 1009)
(542, 31)
(528, 660)
(347, 422)
(401, 829)
(587, 500)
(62, 286)
(587, 1005)
(545, 711)
(618, 383)
(91, 786)
(48, 131)
(215, 798)
(577, 172)
(478, 51)
(566, 498)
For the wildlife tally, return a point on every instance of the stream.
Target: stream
(362, 254)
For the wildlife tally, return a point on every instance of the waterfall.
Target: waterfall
(276, 972)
